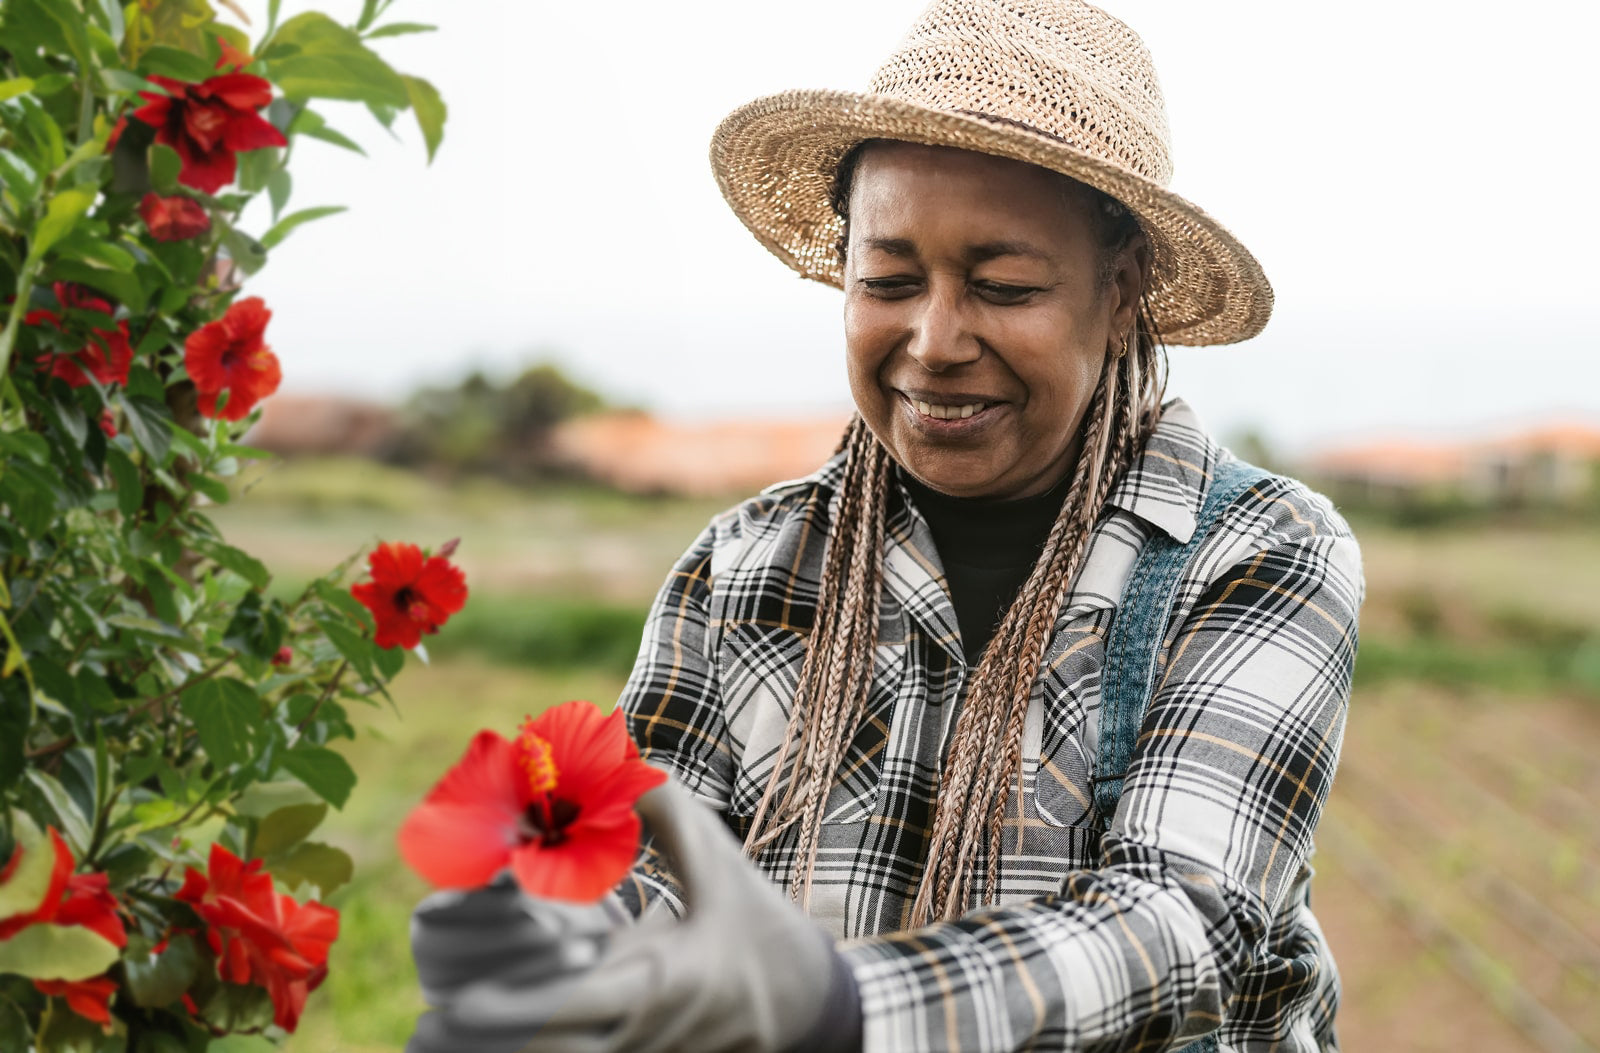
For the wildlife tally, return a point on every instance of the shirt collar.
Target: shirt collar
(1166, 486)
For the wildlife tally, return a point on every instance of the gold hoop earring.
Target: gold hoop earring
(1129, 345)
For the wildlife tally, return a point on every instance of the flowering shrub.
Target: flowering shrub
(166, 714)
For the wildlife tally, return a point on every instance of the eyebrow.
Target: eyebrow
(988, 250)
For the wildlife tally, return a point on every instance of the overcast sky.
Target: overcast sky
(1417, 178)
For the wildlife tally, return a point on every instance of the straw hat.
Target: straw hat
(1058, 83)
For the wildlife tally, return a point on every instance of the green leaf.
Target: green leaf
(287, 827)
(15, 1031)
(123, 288)
(15, 86)
(159, 980)
(72, 823)
(321, 865)
(61, 215)
(82, 246)
(264, 798)
(18, 175)
(150, 425)
(247, 252)
(121, 82)
(237, 560)
(57, 952)
(226, 713)
(165, 166)
(285, 226)
(175, 63)
(331, 63)
(337, 138)
(430, 111)
(126, 481)
(397, 29)
(390, 660)
(279, 185)
(356, 649)
(323, 770)
(30, 445)
(25, 890)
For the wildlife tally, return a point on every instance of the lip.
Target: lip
(960, 427)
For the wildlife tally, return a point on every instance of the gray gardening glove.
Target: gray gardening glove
(459, 938)
(745, 971)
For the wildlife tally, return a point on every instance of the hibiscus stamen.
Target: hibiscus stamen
(537, 759)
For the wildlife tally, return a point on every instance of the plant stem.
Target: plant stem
(327, 692)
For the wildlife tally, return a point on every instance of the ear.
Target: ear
(1127, 286)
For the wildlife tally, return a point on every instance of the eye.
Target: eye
(1001, 293)
(890, 288)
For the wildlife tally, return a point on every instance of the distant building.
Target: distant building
(1555, 464)
(306, 426)
(639, 453)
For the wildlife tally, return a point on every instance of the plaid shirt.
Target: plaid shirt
(1192, 909)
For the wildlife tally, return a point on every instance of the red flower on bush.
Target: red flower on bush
(209, 122)
(175, 218)
(90, 999)
(71, 899)
(260, 935)
(230, 355)
(107, 354)
(556, 806)
(410, 594)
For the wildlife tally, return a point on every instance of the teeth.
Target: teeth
(928, 409)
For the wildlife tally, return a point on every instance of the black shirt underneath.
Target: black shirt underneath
(987, 547)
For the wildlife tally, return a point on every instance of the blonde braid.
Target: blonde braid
(834, 681)
(988, 737)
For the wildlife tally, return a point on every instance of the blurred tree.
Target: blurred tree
(484, 426)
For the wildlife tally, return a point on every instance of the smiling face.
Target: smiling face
(977, 315)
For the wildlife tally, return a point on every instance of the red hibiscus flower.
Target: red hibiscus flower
(90, 999)
(231, 355)
(207, 123)
(556, 806)
(410, 594)
(259, 935)
(175, 218)
(70, 899)
(106, 355)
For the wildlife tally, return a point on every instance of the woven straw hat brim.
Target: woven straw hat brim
(774, 160)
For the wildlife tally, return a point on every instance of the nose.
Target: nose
(940, 335)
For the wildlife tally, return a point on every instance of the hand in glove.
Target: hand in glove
(745, 971)
(460, 938)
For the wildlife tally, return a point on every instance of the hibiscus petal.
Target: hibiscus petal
(587, 746)
(311, 927)
(582, 868)
(443, 586)
(461, 834)
(452, 846)
(242, 91)
(246, 322)
(395, 564)
(207, 172)
(251, 131)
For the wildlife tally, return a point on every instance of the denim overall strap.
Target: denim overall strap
(1127, 679)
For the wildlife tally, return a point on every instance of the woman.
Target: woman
(1029, 698)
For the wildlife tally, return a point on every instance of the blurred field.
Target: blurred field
(1459, 870)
